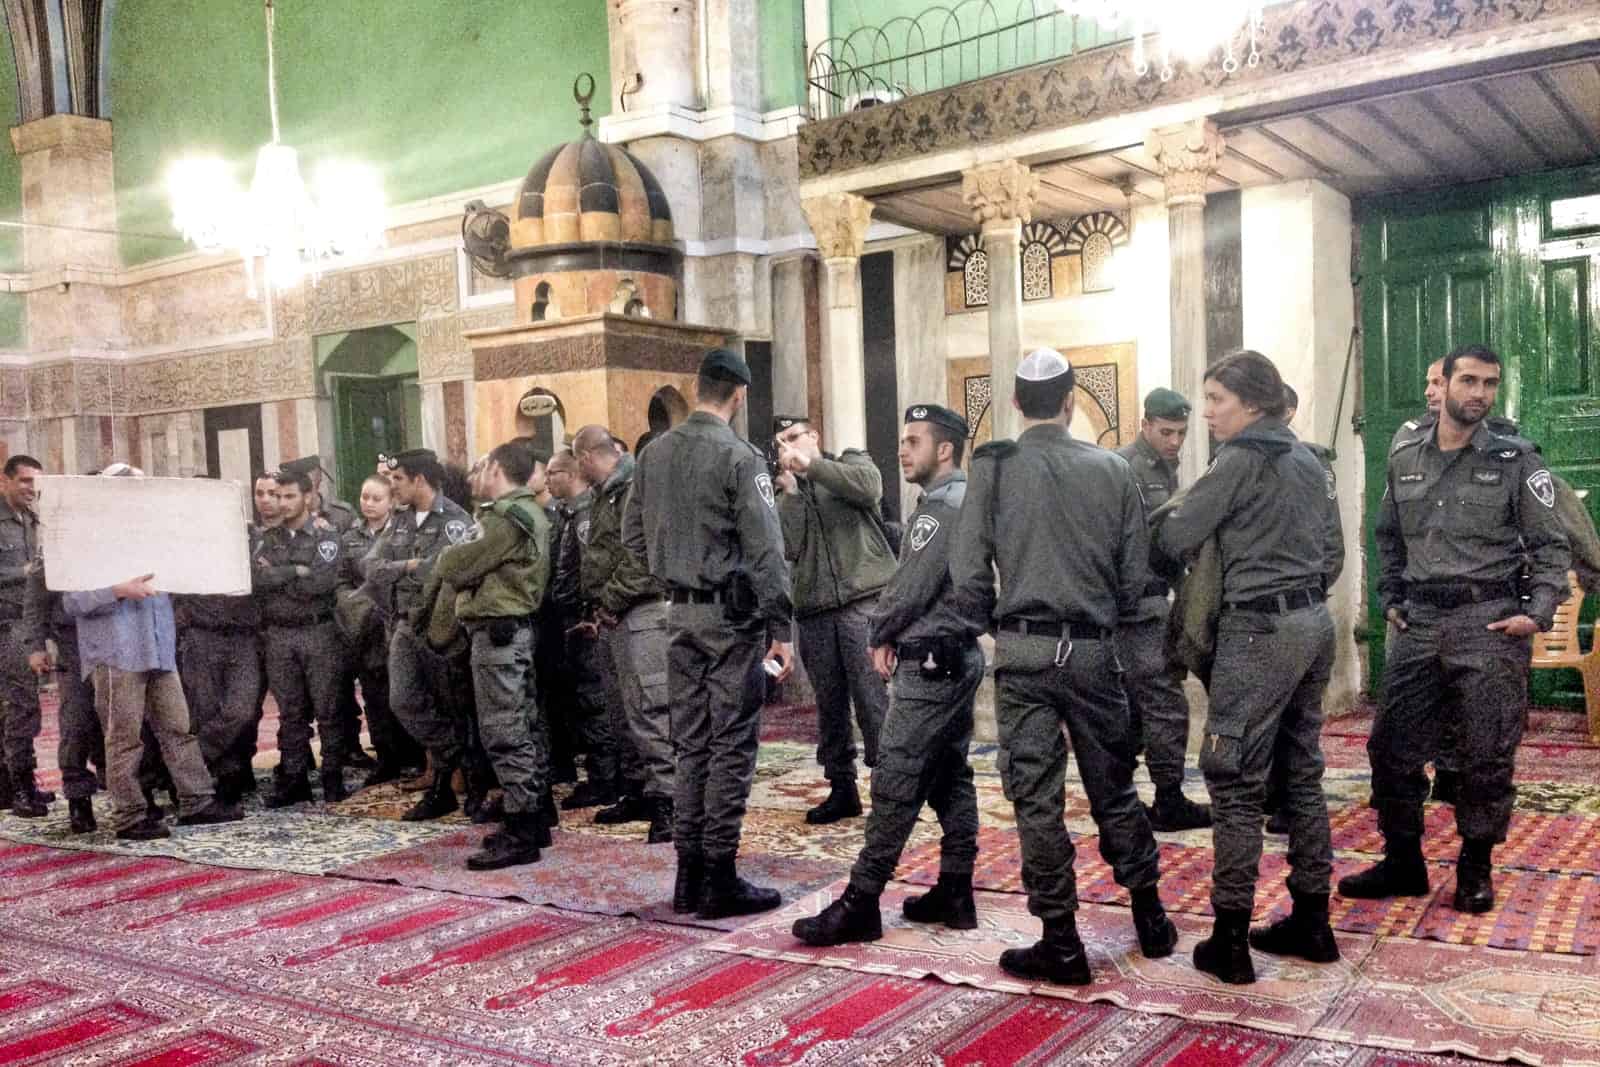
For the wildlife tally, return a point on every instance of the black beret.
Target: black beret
(410, 456)
(303, 465)
(781, 423)
(725, 364)
(937, 413)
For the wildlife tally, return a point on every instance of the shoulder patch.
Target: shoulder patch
(922, 531)
(764, 487)
(583, 531)
(455, 531)
(1410, 424)
(1543, 487)
(328, 551)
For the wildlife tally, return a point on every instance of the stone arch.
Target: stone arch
(545, 308)
(667, 409)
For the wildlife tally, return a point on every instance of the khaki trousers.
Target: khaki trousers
(129, 699)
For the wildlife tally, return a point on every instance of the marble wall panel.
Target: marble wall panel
(191, 310)
(442, 349)
(404, 291)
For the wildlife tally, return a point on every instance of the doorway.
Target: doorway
(1511, 264)
(377, 402)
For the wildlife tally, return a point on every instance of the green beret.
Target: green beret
(1166, 404)
(725, 364)
(937, 413)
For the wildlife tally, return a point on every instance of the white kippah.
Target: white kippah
(1041, 365)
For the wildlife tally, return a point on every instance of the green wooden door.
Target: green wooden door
(1513, 265)
(371, 419)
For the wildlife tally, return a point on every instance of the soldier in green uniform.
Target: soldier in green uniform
(19, 688)
(930, 654)
(424, 522)
(497, 578)
(840, 559)
(1159, 710)
(294, 575)
(628, 605)
(1464, 509)
(1273, 513)
(1069, 576)
(702, 512)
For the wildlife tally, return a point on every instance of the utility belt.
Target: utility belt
(1065, 628)
(1460, 594)
(737, 596)
(502, 630)
(1280, 603)
(937, 658)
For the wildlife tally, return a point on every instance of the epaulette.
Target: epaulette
(1416, 437)
(998, 449)
(754, 451)
(1510, 446)
(1322, 452)
(1410, 424)
(1503, 426)
(951, 493)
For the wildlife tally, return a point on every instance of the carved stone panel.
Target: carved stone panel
(405, 291)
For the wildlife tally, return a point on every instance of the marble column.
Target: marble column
(840, 221)
(1001, 196)
(1187, 154)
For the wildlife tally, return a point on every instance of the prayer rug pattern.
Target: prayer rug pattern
(580, 873)
(121, 965)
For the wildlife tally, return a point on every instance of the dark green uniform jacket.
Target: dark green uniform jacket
(611, 575)
(1471, 516)
(288, 598)
(831, 534)
(501, 571)
(917, 603)
(702, 512)
(1064, 523)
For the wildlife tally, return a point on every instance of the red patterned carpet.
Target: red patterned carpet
(113, 960)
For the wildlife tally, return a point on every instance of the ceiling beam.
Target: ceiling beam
(1494, 104)
(1573, 119)
(1322, 169)
(1326, 127)
(1393, 129)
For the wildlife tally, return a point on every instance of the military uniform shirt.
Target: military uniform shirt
(1063, 522)
(917, 602)
(1470, 516)
(286, 597)
(565, 591)
(1157, 478)
(19, 541)
(610, 574)
(405, 539)
(702, 511)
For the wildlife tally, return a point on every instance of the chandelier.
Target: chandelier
(1190, 29)
(277, 220)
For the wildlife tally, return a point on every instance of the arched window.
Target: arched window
(1036, 281)
(975, 280)
(544, 306)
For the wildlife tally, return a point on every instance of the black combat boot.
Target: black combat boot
(1446, 785)
(474, 798)
(660, 820)
(290, 789)
(1474, 877)
(144, 830)
(1226, 953)
(1174, 811)
(1304, 932)
(1057, 957)
(333, 790)
(516, 844)
(212, 814)
(1157, 936)
(6, 788)
(549, 817)
(1401, 873)
(949, 902)
(686, 888)
(439, 799)
(631, 808)
(589, 795)
(80, 813)
(25, 803)
(843, 803)
(487, 811)
(383, 772)
(724, 893)
(853, 917)
(563, 771)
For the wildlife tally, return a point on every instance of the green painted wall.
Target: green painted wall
(783, 53)
(13, 322)
(442, 96)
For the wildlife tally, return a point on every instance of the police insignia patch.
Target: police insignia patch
(919, 413)
(922, 531)
(1542, 487)
(474, 532)
(764, 487)
(327, 550)
(454, 531)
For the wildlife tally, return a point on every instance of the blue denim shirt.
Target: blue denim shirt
(130, 635)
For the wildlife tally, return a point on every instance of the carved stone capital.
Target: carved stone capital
(1187, 154)
(840, 222)
(1000, 192)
